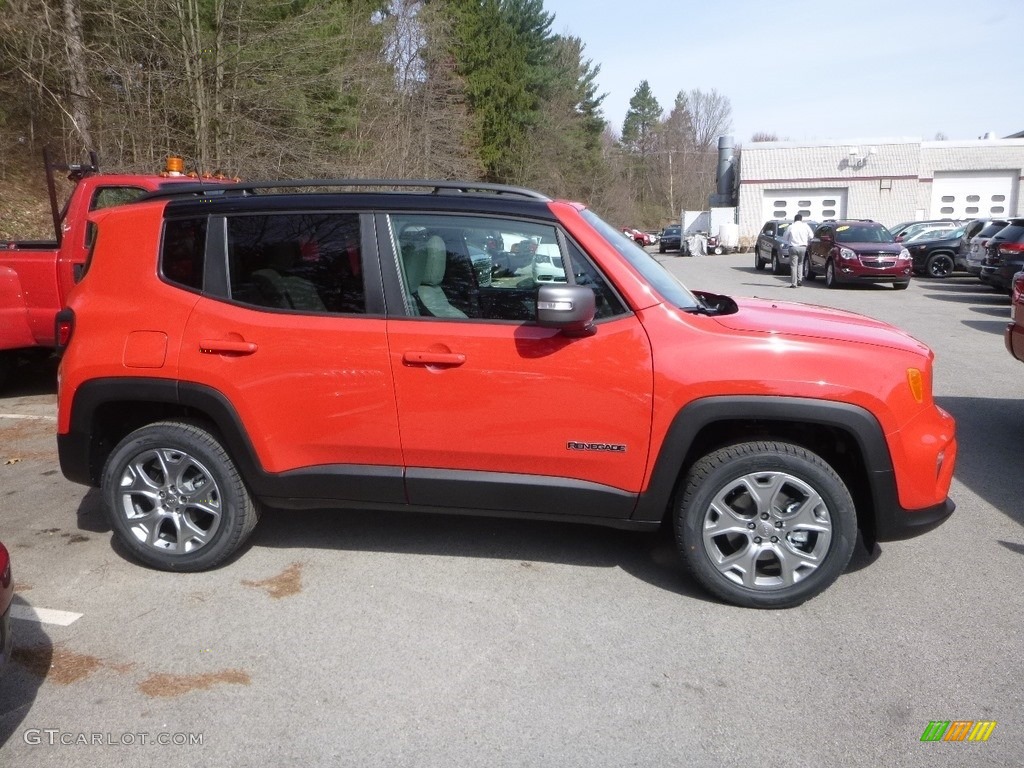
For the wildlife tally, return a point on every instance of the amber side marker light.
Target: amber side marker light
(916, 382)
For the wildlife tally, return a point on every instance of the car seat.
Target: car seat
(431, 296)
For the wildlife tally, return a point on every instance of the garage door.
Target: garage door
(972, 194)
(817, 204)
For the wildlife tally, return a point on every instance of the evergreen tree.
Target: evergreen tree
(639, 140)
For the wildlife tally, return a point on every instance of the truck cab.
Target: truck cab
(36, 275)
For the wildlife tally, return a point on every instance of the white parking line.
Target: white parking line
(27, 416)
(44, 615)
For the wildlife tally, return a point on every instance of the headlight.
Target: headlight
(846, 253)
(904, 254)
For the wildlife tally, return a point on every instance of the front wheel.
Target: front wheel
(940, 265)
(719, 250)
(765, 524)
(830, 275)
(776, 266)
(175, 499)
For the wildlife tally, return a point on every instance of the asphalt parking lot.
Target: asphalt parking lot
(372, 639)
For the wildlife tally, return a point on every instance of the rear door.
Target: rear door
(290, 329)
(818, 248)
(497, 412)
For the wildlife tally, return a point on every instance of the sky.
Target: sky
(815, 71)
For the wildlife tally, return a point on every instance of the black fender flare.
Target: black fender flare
(700, 414)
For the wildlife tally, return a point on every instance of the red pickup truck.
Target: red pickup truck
(35, 276)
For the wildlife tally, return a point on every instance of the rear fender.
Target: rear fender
(15, 332)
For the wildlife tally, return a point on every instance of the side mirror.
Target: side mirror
(570, 308)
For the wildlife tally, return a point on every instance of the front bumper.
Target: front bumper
(1013, 337)
(907, 523)
(6, 638)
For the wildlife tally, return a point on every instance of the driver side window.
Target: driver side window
(483, 268)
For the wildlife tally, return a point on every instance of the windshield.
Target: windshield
(863, 233)
(663, 281)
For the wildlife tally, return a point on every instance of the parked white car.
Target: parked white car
(547, 265)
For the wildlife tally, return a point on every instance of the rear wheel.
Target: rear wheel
(719, 250)
(175, 499)
(758, 263)
(940, 265)
(765, 524)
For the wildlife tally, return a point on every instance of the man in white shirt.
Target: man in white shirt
(798, 235)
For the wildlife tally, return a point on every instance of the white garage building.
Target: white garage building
(888, 180)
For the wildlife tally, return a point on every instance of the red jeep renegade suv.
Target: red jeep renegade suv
(310, 349)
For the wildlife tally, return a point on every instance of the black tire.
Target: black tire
(805, 267)
(940, 265)
(901, 286)
(758, 264)
(661, 249)
(192, 509)
(806, 508)
(830, 275)
(6, 366)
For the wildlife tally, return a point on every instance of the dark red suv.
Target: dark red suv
(857, 251)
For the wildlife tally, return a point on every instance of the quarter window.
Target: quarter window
(307, 262)
(183, 253)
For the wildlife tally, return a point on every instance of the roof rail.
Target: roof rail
(395, 185)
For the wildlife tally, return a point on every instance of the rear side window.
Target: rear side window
(183, 254)
(107, 197)
(1011, 233)
(993, 228)
(308, 262)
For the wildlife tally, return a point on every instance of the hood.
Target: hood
(787, 318)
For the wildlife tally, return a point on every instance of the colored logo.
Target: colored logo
(958, 730)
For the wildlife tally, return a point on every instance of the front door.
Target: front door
(496, 411)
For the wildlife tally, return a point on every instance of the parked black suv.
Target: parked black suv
(671, 239)
(936, 256)
(1005, 256)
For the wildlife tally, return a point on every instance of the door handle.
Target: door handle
(226, 347)
(433, 358)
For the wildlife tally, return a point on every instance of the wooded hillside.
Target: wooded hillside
(477, 89)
